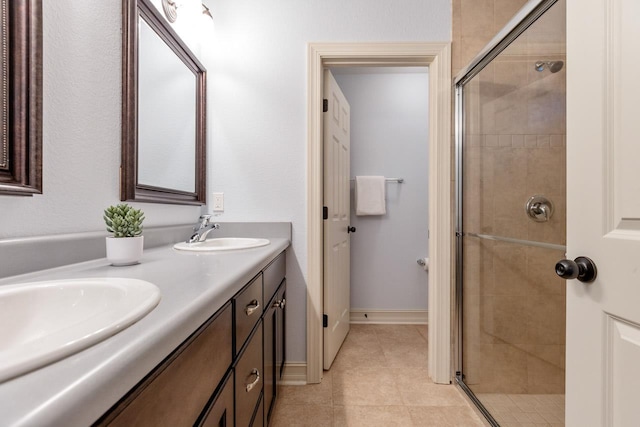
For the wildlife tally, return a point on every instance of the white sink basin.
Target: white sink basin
(42, 322)
(221, 244)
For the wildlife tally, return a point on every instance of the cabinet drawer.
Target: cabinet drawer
(185, 380)
(273, 275)
(221, 411)
(248, 309)
(249, 379)
(258, 420)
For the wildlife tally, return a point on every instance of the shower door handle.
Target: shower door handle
(351, 229)
(582, 268)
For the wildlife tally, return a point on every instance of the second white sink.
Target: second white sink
(221, 244)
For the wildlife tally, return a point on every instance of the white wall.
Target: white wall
(256, 58)
(258, 106)
(390, 136)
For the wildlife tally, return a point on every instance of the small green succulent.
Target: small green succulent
(123, 220)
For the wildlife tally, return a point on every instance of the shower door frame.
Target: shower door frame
(520, 22)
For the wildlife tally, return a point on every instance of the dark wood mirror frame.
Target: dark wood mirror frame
(130, 189)
(21, 92)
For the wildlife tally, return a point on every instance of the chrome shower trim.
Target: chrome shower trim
(489, 418)
(532, 243)
(457, 307)
(526, 16)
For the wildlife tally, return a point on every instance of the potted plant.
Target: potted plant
(126, 244)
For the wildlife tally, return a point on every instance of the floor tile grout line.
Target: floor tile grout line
(408, 410)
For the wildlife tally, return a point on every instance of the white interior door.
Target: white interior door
(336, 236)
(603, 221)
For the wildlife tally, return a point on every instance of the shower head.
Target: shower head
(554, 66)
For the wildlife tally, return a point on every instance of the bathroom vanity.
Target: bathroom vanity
(211, 353)
(235, 349)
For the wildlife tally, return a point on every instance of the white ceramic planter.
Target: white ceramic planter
(124, 250)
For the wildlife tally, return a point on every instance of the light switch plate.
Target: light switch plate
(218, 202)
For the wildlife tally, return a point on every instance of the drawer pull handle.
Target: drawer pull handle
(280, 304)
(253, 306)
(255, 382)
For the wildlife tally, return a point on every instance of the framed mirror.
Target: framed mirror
(21, 97)
(163, 112)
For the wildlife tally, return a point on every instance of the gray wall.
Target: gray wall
(256, 56)
(81, 123)
(259, 106)
(390, 137)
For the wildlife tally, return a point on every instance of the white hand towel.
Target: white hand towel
(370, 195)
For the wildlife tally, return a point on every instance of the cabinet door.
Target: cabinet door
(258, 420)
(269, 324)
(273, 350)
(281, 320)
(220, 413)
(175, 393)
(249, 379)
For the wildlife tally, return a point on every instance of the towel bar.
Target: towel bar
(398, 180)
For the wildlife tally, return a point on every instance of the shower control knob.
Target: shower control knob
(351, 229)
(582, 268)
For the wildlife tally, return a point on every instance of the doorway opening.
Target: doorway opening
(436, 57)
(387, 128)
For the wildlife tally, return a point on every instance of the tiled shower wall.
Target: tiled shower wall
(475, 22)
(514, 304)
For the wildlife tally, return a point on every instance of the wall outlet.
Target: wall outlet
(218, 202)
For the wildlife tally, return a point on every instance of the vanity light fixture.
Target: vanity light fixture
(170, 10)
(206, 11)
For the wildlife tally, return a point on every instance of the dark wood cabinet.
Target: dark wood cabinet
(249, 379)
(280, 340)
(248, 307)
(175, 392)
(258, 419)
(226, 373)
(274, 344)
(220, 412)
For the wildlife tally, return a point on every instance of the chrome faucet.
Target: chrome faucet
(202, 229)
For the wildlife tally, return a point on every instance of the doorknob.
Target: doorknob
(351, 229)
(583, 269)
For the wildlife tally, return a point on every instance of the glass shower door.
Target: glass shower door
(511, 228)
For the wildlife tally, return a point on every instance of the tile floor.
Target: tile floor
(378, 379)
(525, 410)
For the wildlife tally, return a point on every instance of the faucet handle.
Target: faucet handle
(203, 221)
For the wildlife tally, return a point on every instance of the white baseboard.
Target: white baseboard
(295, 373)
(408, 317)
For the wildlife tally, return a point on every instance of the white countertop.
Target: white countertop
(77, 390)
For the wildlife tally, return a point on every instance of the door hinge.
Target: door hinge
(325, 321)
(325, 212)
(325, 105)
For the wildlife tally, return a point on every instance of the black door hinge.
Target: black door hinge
(325, 212)
(325, 105)
(325, 321)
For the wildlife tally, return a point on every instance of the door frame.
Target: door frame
(437, 57)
